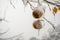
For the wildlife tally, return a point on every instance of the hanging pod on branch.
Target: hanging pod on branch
(37, 24)
(38, 12)
(55, 10)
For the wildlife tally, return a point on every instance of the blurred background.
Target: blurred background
(20, 20)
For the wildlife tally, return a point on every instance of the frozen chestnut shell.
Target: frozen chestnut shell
(37, 24)
(38, 12)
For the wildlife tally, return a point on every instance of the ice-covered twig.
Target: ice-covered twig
(39, 4)
(34, 1)
(49, 7)
(12, 4)
(49, 22)
(17, 37)
(4, 32)
(52, 3)
(4, 18)
(24, 2)
(32, 7)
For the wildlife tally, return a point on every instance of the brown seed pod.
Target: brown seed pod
(38, 12)
(55, 9)
(37, 24)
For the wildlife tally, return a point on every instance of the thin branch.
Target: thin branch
(49, 22)
(5, 15)
(3, 19)
(38, 31)
(24, 2)
(49, 7)
(11, 38)
(14, 36)
(32, 7)
(12, 4)
(51, 3)
(34, 1)
(39, 3)
(4, 32)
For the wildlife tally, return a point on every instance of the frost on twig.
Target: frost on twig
(17, 37)
(31, 6)
(49, 7)
(12, 4)
(24, 2)
(49, 22)
(4, 32)
(39, 3)
(33, 1)
(4, 18)
(52, 3)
